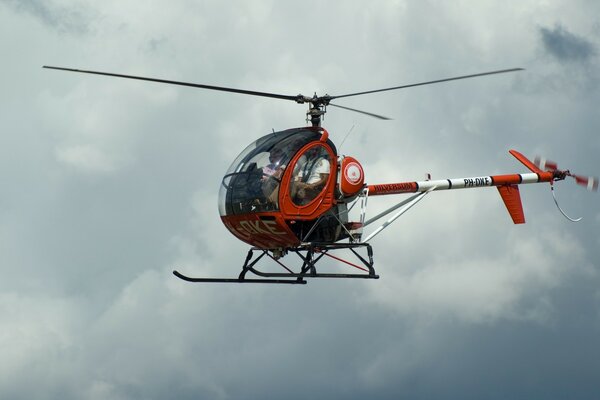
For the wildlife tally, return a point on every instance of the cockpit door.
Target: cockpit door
(309, 182)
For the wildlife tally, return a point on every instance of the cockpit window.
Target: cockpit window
(253, 179)
(310, 175)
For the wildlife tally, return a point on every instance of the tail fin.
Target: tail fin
(512, 200)
(525, 161)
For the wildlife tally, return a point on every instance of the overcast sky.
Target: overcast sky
(107, 185)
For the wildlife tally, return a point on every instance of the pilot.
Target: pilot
(311, 172)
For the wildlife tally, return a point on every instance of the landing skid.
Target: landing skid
(309, 255)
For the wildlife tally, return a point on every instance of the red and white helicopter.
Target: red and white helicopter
(290, 192)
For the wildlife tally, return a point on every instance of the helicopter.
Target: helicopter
(290, 193)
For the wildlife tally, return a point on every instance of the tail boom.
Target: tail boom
(459, 183)
(507, 185)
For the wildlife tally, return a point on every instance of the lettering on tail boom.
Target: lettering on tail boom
(477, 182)
(393, 188)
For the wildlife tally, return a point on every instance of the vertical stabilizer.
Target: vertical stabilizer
(512, 200)
(525, 161)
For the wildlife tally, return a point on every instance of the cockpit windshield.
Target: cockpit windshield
(252, 182)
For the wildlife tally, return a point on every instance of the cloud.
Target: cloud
(74, 18)
(566, 46)
(482, 287)
(86, 158)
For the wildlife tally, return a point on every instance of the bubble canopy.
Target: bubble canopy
(251, 184)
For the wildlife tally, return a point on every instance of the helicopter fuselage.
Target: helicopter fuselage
(282, 184)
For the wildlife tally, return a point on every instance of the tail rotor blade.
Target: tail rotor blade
(544, 164)
(590, 182)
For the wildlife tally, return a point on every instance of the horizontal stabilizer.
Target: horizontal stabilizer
(512, 200)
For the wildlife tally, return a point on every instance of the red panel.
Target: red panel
(266, 231)
(512, 200)
(352, 176)
(511, 179)
(525, 161)
(392, 188)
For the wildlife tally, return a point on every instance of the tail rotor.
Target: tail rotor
(589, 182)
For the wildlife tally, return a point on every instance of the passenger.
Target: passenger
(273, 168)
(272, 174)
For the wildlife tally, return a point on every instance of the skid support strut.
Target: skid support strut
(308, 255)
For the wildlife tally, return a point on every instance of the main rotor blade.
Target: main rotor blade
(362, 112)
(297, 98)
(429, 82)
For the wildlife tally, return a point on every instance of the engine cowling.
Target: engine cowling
(352, 176)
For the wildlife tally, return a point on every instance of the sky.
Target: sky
(110, 184)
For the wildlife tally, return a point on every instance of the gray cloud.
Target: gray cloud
(566, 46)
(71, 19)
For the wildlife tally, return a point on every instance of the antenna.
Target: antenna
(345, 137)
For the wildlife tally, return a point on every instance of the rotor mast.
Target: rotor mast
(317, 108)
